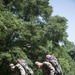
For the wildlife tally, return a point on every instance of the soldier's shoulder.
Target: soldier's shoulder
(45, 62)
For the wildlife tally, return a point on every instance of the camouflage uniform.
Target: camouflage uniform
(48, 69)
(24, 64)
(53, 60)
(19, 70)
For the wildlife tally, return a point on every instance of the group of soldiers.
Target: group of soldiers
(49, 67)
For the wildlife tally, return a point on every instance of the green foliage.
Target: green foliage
(65, 62)
(30, 9)
(57, 29)
(10, 51)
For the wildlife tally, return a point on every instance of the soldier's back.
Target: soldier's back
(48, 69)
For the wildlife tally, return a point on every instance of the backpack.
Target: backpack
(53, 60)
(28, 70)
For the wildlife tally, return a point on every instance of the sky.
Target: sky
(66, 8)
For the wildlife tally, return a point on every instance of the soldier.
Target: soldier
(47, 68)
(24, 64)
(17, 69)
(53, 60)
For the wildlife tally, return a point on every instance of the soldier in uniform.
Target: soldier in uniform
(47, 68)
(53, 60)
(17, 69)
